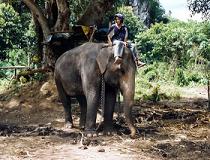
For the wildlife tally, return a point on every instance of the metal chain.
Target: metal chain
(102, 102)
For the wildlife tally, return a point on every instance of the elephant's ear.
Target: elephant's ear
(103, 58)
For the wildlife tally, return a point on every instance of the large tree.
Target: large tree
(53, 17)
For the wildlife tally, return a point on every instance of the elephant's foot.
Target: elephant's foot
(82, 123)
(109, 130)
(90, 133)
(82, 126)
(69, 125)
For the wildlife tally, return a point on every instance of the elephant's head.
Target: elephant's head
(121, 76)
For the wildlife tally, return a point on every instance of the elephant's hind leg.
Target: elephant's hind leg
(66, 101)
(83, 109)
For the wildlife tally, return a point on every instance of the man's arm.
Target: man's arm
(110, 35)
(109, 40)
(126, 36)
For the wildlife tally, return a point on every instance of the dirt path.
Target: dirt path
(31, 127)
(48, 148)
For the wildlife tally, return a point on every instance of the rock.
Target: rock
(1, 105)
(52, 98)
(74, 141)
(45, 105)
(46, 88)
(13, 103)
(86, 141)
(101, 150)
(83, 147)
(103, 143)
(180, 137)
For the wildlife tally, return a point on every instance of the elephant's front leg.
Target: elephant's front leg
(92, 106)
(110, 100)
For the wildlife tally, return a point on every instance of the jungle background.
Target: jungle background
(171, 100)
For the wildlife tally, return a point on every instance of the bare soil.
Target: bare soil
(32, 120)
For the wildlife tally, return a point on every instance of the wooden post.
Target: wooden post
(15, 72)
(29, 60)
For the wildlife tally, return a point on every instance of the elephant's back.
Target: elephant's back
(88, 49)
(78, 57)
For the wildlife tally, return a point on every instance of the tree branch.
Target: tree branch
(95, 12)
(62, 23)
(39, 15)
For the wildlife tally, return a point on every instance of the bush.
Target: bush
(175, 96)
(163, 42)
(193, 77)
(180, 78)
(152, 75)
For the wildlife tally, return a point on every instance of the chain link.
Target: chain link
(102, 99)
(102, 103)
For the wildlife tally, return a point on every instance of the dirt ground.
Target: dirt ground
(32, 120)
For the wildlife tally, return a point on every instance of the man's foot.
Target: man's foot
(140, 64)
(118, 60)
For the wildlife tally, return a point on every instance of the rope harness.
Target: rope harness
(93, 32)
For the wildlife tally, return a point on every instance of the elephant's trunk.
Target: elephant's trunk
(128, 89)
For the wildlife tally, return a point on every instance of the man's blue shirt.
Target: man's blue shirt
(116, 33)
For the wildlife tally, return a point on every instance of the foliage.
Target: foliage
(160, 72)
(155, 97)
(180, 78)
(157, 12)
(177, 41)
(135, 26)
(154, 91)
(200, 6)
(77, 8)
(9, 24)
(16, 36)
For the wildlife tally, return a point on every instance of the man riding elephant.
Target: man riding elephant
(118, 38)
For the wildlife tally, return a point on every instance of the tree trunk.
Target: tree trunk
(40, 17)
(62, 23)
(39, 35)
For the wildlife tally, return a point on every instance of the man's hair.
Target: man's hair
(120, 16)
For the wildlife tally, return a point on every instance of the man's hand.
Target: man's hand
(110, 44)
(126, 44)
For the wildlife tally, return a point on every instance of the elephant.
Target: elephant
(78, 73)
